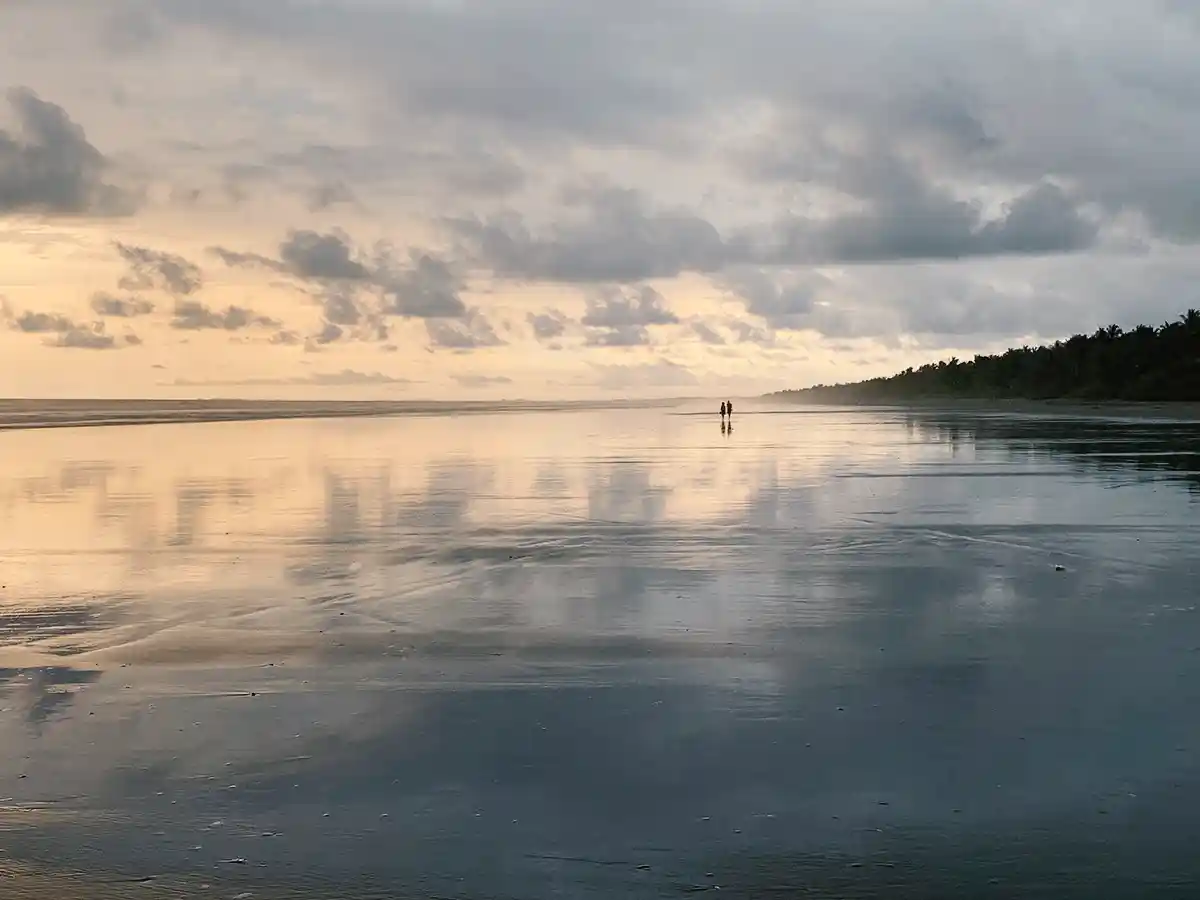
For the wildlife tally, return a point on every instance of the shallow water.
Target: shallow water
(602, 653)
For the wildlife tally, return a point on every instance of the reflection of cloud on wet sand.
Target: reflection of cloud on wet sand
(868, 626)
(44, 692)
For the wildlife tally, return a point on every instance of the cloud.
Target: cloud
(341, 174)
(328, 334)
(287, 338)
(111, 305)
(619, 317)
(94, 338)
(613, 235)
(429, 289)
(620, 336)
(522, 69)
(48, 166)
(309, 254)
(342, 378)
(340, 307)
(963, 90)
(479, 381)
(954, 306)
(908, 218)
(42, 323)
(795, 155)
(784, 299)
(614, 308)
(158, 270)
(237, 259)
(660, 374)
(548, 325)
(750, 333)
(472, 332)
(706, 332)
(65, 332)
(330, 193)
(191, 315)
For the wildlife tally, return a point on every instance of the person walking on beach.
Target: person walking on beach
(722, 412)
(728, 404)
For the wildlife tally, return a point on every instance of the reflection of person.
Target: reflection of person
(722, 410)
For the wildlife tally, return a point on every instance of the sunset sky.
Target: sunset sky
(525, 198)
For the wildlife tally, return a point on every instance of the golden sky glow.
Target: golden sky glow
(414, 199)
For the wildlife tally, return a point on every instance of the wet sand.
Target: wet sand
(1183, 411)
(596, 653)
(23, 414)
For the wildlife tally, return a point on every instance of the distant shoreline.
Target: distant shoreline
(37, 414)
(1178, 410)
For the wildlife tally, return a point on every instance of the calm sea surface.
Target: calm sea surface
(602, 654)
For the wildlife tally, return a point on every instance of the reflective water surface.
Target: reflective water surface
(603, 653)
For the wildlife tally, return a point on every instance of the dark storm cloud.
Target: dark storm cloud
(114, 306)
(158, 270)
(49, 166)
(191, 315)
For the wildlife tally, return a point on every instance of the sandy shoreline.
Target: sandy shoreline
(19, 414)
(1180, 412)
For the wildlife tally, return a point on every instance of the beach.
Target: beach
(556, 651)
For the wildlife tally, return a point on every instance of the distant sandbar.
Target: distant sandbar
(22, 414)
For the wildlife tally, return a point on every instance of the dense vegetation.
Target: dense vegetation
(1145, 363)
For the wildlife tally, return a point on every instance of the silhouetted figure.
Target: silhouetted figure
(729, 409)
(722, 412)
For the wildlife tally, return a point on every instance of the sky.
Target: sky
(434, 199)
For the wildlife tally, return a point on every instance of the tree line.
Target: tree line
(1142, 364)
